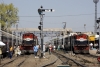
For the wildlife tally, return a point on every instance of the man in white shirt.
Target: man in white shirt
(50, 48)
(91, 46)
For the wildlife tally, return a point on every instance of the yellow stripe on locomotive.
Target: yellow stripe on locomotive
(91, 38)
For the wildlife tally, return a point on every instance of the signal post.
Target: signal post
(40, 11)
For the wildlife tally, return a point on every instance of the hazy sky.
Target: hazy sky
(75, 13)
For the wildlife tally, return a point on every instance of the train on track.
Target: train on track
(77, 42)
(28, 41)
(81, 44)
(69, 41)
(9, 40)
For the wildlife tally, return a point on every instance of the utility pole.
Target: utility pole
(0, 40)
(12, 39)
(7, 38)
(16, 35)
(85, 27)
(20, 34)
(40, 11)
(98, 21)
(0, 27)
(0, 32)
(64, 33)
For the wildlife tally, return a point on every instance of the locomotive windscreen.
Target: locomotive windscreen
(81, 42)
(28, 39)
(28, 42)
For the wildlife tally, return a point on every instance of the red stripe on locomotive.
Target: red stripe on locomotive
(81, 37)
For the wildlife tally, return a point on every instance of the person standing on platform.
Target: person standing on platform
(91, 46)
(96, 45)
(18, 51)
(43, 50)
(39, 50)
(35, 49)
(58, 47)
(50, 48)
(54, 47)
(11, 51)
(0, 55)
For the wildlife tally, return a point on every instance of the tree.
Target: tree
(8, 15)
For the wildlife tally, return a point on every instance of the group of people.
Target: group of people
(93, 46)
(13, 50)
(36, 49)
(16, 51)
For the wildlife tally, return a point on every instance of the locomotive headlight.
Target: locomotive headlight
(28, 39)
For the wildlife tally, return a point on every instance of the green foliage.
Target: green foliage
(8, 15)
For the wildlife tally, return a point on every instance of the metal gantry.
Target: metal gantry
(64, 33)
(0, 32)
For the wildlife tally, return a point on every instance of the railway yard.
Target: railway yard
(56, 59)
(28, 61)
(34, 42)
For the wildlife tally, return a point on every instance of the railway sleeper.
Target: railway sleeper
(66, 62)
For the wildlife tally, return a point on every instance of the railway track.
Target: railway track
(16, 62)
(66, 61)
(50, 64)
(69, 61)
(77, 60)
(89, 58)
(22, 61)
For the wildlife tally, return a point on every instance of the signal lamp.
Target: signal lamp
(39, 27)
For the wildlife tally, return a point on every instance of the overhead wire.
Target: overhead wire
(58, 16)
(63, 15)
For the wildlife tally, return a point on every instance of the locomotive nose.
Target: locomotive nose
(98, 59)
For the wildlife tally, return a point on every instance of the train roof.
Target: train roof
(30, 33)
(8, 35)
(71, 34)
(27, 33)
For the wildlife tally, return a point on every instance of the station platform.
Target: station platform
(94, 52)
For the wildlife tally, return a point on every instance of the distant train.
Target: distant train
(29, 40)
(77, 42)
(81, 44)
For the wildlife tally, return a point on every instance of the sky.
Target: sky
(75, 13)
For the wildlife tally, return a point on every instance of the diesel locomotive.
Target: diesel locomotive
(29, 40)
